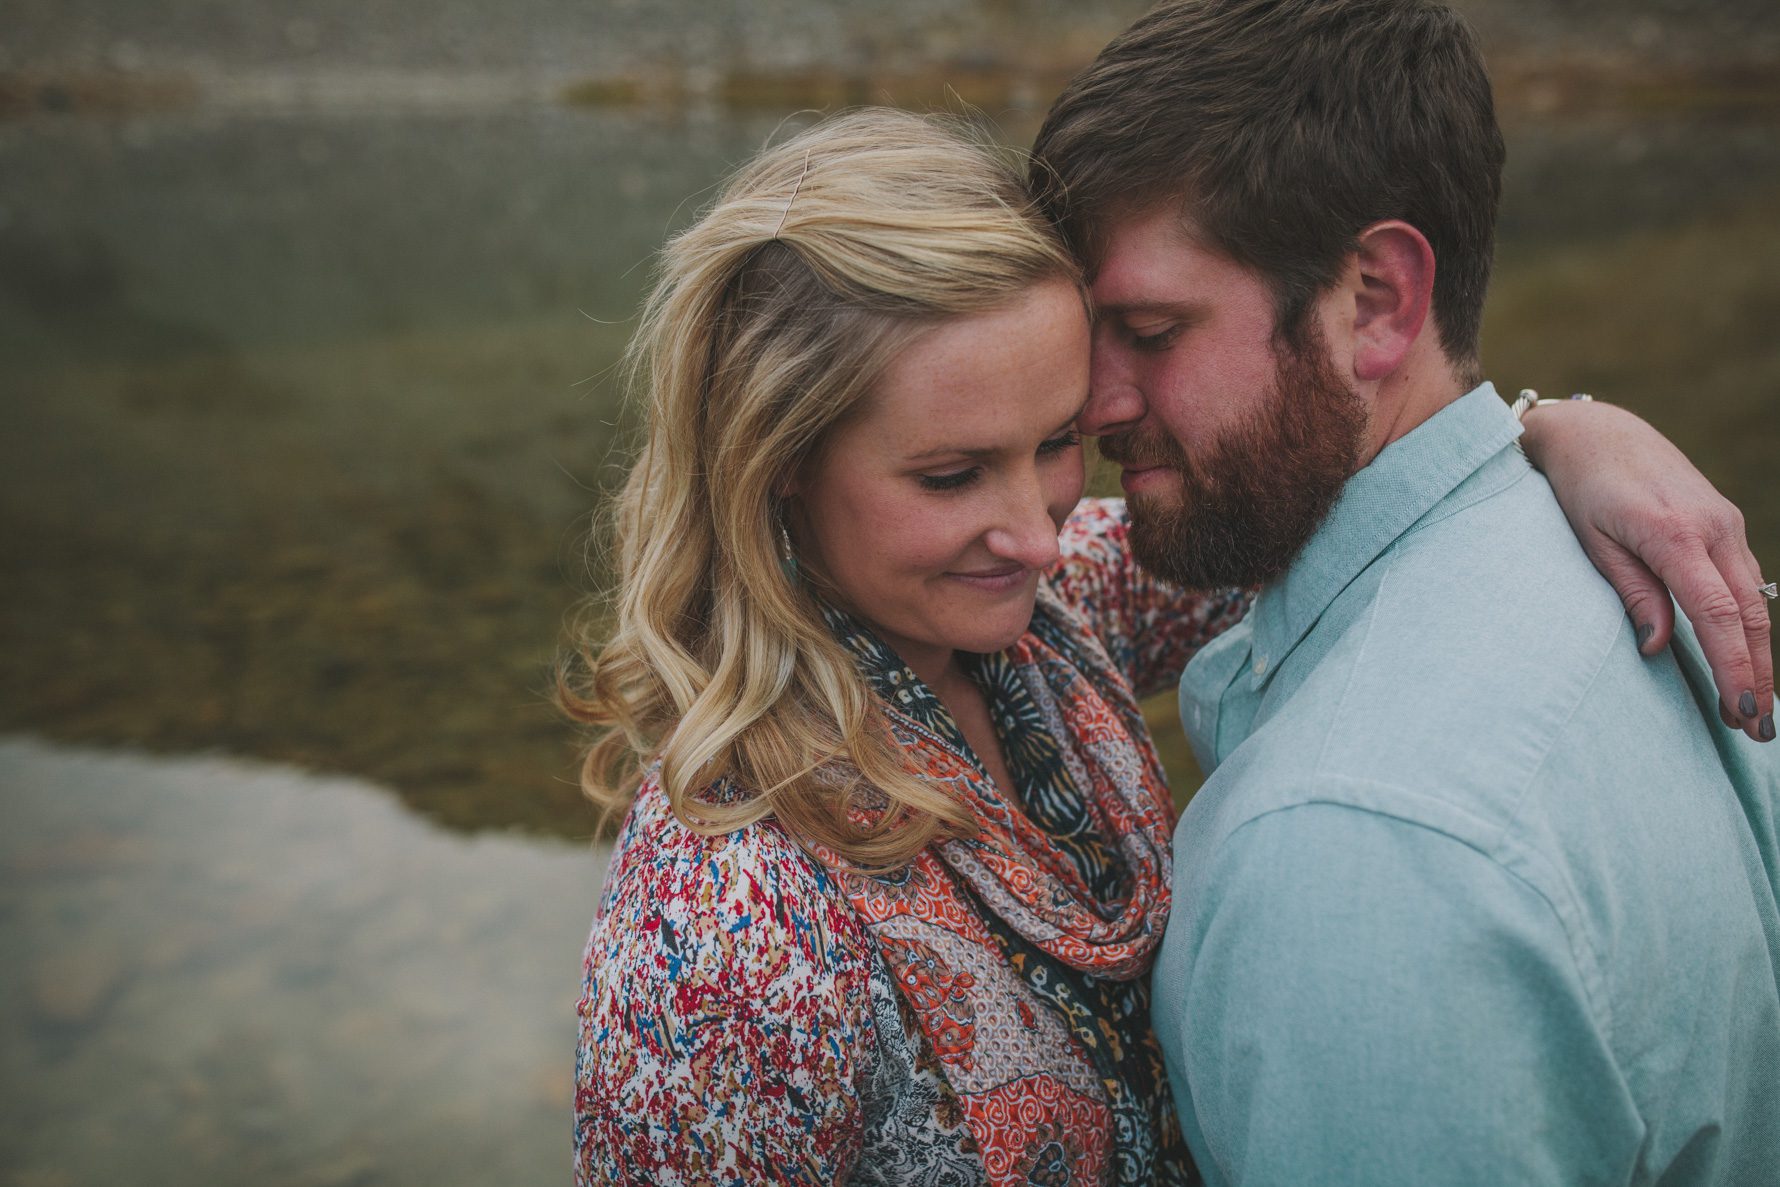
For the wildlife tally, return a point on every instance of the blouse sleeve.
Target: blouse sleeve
(724, 1016)
(1150, 627)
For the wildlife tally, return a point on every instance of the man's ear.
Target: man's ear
(1393, 287)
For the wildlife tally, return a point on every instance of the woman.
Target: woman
(896, 862)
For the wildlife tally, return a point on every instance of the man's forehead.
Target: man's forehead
(1153, 259)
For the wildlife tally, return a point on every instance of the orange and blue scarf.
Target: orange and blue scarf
(1024, 952)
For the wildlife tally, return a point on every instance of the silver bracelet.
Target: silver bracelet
(1529, 398)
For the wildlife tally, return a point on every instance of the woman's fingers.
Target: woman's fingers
(1706, 581)
(1645, 597)
(1743, 574)
(1648, 519)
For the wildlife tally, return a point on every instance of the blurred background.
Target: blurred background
(308, 316)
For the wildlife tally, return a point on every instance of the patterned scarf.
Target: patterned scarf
(1024, 952)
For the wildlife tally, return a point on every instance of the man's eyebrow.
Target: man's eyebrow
(1106, 309)
(989, 451)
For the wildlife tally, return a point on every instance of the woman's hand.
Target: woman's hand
(1648, 519)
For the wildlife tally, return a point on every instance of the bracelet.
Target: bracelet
(1529, 398)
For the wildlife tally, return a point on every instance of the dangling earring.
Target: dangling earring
(787, 557)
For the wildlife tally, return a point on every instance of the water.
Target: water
(303, 416)
(232, 972)
(305, 412)
(304, 419)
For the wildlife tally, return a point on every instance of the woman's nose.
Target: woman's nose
(1026, 533)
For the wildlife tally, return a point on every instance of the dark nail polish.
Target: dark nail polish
(1724, 715)
(1746, 704)
(1644, 633)
(1766, 729)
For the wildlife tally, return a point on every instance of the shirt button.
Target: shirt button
(1260, 668)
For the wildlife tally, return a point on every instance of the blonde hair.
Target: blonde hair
(772, 318)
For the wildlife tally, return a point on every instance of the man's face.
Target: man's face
(1232, 446)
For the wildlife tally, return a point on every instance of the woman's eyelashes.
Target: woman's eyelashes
(958, 479)
(952, 481)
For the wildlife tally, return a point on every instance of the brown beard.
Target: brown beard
(1255, 497)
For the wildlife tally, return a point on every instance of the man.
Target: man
(1473, 892)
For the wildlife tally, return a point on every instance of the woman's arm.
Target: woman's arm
(1149, 627)
(1649, 520)
(724, 1016)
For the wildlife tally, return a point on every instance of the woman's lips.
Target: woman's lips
(998, 580)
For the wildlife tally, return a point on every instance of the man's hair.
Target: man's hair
(1283, 128)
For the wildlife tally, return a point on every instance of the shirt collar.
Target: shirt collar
(1407, 479)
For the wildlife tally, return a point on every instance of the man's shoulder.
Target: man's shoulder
(1492, 596)
(1479, 647)
(1477, 629)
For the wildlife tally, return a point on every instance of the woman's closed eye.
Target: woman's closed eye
(959, 479)
(953, 481)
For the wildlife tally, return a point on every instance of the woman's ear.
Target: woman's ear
(1392, 283)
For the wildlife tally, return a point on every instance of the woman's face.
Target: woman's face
(934, 510)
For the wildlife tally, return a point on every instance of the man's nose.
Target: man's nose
(1115, 402)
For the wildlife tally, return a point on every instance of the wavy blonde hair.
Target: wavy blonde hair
(772, 318)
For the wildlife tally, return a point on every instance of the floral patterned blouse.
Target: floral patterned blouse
(748, 1018)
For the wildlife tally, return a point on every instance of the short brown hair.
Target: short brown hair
(1285, 127)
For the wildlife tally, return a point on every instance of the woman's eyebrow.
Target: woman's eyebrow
(950, 451)
(983, 451)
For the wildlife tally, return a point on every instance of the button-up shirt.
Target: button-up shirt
(1473, 892)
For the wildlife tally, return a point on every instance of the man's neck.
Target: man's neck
(1406, 398)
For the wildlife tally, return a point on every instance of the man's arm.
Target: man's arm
(1369, 1001)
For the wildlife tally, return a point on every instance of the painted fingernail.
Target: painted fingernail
(1746, 704)
(1644, 633)
(1724, 715)
(1766, 730)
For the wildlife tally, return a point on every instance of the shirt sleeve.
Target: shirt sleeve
(1150, 627)
(1371, 1001)
(724, 1022)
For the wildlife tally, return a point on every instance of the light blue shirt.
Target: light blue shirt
(1474, 894)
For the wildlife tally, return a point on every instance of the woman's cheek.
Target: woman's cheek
(935, 538)
(1065, 490)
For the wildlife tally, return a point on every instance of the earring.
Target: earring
(787, 557)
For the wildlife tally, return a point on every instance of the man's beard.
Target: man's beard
(1249, 505)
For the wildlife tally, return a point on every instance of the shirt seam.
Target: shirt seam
(1353, 669)
(1505, 847)
(1594, 982)
(1586, 977)
(1501, 486)
(1388, 555)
